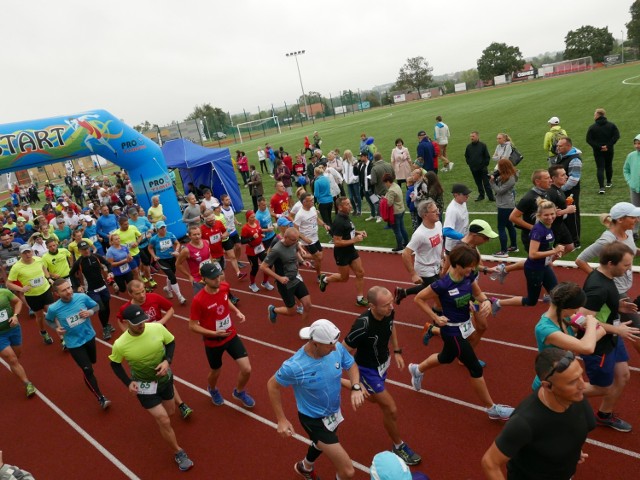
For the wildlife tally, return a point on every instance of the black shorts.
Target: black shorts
(231, 241)
(562, 235)
(234, 347)
(317, 431)
(344, 259)
(165, 392)
(313, 248)
(289, 294)
(38, 302)
(145, 256)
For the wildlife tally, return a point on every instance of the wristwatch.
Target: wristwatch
(356, 387)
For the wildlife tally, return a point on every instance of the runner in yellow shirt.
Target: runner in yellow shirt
(130, 237)
(57, 260)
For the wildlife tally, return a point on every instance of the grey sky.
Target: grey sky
(156, 60)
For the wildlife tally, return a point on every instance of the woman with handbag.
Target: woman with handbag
(401, 162)
(503, 186)
(504, 147)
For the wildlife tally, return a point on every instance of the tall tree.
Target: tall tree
(415, 74)
(588, 41)
(470, 78)
(215, 118)
(499, 59)
(633, 27)
(144, 126)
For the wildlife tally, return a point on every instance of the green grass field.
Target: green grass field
(521, 110)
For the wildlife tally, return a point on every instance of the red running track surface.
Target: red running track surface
(443, 422)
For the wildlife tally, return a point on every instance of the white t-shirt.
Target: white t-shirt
(296, 208)
(427, 245)
(307, 222)
(230, 220)
(208, 204)
(457, 218)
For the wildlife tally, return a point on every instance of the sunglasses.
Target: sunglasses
(562, 365)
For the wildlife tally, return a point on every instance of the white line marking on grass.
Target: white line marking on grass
(627, 82)
(83, 433)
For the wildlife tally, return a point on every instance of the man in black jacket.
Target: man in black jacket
(365, 185)
(602, 136)
(477, 157)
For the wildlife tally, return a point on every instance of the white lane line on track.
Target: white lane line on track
(97, 445)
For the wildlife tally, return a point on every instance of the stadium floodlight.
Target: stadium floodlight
(304, 97)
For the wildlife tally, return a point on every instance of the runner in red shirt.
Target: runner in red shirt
(251, 236)
(214, 231)
(210, 318)
(280, 202)
(159, 309)
(192, 255)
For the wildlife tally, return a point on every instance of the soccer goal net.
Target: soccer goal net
(567, 66)
(261, 127)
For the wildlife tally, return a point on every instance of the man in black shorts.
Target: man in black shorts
(556, 195)
(368, 341)
(281, 263)
(524, 215)
(345, 238)
(544, 436)
(307, 221)
(149, 349)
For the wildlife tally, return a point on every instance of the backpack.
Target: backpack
(386, 211)
(557, 135)
(516, 157)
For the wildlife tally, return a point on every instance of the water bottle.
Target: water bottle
(494, 275)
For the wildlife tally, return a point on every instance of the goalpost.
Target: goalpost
(263, 124)
(567, 66)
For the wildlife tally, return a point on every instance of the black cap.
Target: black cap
(421, 132)
(364, 154)
(83, 245)
(210, 270)
(460, 188)
(135, 315)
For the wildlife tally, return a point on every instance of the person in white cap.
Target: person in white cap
(555, 133)
(315, 372)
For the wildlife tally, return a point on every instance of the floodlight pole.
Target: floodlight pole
(304, 97)
(622, 45)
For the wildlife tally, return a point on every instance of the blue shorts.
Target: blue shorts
(372, 380)
(11, 338)
(600, 368)
(135, 263)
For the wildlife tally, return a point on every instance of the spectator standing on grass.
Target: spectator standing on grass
(435, 190)
(149, 350)
(351, 176)
(317, 141)
(323, 195)
(570, 159)
(255, 186)
(552, 136)
(425, 151)
(395, 199)
(378, 170)
(243, 166)
(262, 158)
(631, 171)
(477, 157)
(504, 148)
(544, 436)
(314, 372)
(365, 186)
(503, 187)
(191, 213)
(441, 136)
(401, 162)
(602, 136)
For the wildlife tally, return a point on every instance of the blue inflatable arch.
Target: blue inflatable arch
(40, 142)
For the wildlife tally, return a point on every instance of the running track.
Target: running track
(62, 433)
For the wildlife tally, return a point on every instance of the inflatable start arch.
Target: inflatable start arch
(40, 142)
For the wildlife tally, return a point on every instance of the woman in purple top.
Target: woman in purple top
(456, 293)
(537, 267)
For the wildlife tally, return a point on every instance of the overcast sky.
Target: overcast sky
(156, 59)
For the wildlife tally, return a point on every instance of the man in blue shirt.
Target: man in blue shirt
(314, 372)
(71, 318)
(106, 224)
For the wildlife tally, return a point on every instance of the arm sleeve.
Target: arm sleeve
(169, 350)
(575, 172)
(120, 372)
(451, 233)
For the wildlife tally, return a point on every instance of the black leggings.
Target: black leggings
(604, 163)
(426, 281)
(102, 298)
(458, 347)
(168, 266)
(325, 212)
(85, 357)
(122, 280)
(255, 264)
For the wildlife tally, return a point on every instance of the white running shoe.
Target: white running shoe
(168, 291)
(267, 286)
(254, 288)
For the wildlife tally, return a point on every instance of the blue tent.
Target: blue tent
(204, 166)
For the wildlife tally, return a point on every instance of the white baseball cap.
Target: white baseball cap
(321, 331)
(554, 121)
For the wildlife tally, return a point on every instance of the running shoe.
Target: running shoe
(241, 275)
(267, 286)
(513, 249)
(168, 291)
(500, 412)
(609, 185)
(299, 309)
(152, 283)
(546, 298)
(242, 264)
(111, 328)
(614, 422)
(106, 333)
(233, 299)
(601, 191)
(273, 316)
(363, 302)
(450, 166)
(216, 396)
(307, 474)
(399, 295)
(31, 390)
(246, 399)
(378, 219)
(104, 402)
(143, 279)
(495, 306)
(501, 254)
(182, 300)
(183, 461)
(407, 454)
(416, 377)
(482, 363)
(254, 288)
(427, 333)
(46, 338)
(323, 283)
(185, 410)
(368, 219)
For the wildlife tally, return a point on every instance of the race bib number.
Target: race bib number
(124, 268)
(93, 238)
(467, 328)
(131, 245)
(36, 282)
(331, 422)
(382, 369)
(147, 388)
(11, 261)
(223, 324)
(215, 238)
(165, 244)
(74, 320)
(4, 316)
(258, 249)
